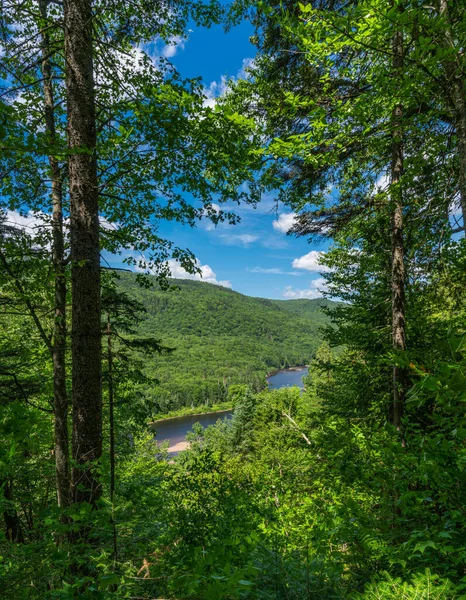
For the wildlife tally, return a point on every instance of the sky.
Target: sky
(255, 257)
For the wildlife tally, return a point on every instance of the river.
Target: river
(175, 429)
(287, 378)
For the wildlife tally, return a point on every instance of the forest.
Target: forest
(219, 338)
(351, 116)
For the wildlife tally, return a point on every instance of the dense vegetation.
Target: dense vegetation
(353, 114)
(220, 338)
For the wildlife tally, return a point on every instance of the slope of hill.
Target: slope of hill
(308, 309)
(221, 338)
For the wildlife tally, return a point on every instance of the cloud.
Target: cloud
(108, 225)
(315, 290)
(207, 224)
(284, 222)
(35, 222)
(382, 182)
(266, 271)
(310, 262)
(30, 222)
(238, 239)
(272, 271)
(274, 243)
(176, 43)
(207, 274)
(216, 89)
(247, 63)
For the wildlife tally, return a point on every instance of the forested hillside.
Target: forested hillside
(345, 126)
(220, 337)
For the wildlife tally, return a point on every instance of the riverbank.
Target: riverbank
(196, 411)
(220, 407)
(175, 429)
(276, 371)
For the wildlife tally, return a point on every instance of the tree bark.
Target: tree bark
(111, 419)
(111, 407)
(456, 91)
(397, 266)
(60, 398)
(85, 252)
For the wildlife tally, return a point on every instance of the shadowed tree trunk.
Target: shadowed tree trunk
(397, 266)
(111, 407)
(111, 419)
(85, 259)
(60, 398)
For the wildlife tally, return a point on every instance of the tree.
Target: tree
(451, 19)
(85, 250)
(398, 260)
(60, 400)
(157, 159)
(344, 114)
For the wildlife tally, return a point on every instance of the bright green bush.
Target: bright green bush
(423, 586)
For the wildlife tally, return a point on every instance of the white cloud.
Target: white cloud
(31, 222)
(315, 290)
(382, 182)
(284, 222)
(207, 274)
(265, 271)
(35, 222)
(175, 44)
(108, 225)
(207, 224)
(216, 89)
(310, 262)
(239, 239)
(272, 271)
(245, 65)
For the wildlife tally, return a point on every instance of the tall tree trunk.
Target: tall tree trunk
(111, 419)
(397, 266)
(60, 398)
(456, 91)
(111, 407)
(85, 253)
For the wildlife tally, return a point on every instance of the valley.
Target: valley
(220, 338)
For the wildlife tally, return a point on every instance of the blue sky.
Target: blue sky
(255, 257)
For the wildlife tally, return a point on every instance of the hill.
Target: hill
(221, 337)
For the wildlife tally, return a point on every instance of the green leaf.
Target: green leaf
(421, 546)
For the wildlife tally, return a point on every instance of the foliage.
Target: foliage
(221, 338)
(312, 494)
(424, 586)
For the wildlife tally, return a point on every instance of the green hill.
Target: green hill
(221, 338)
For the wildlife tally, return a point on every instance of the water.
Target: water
(175, 430)
(287, 378)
